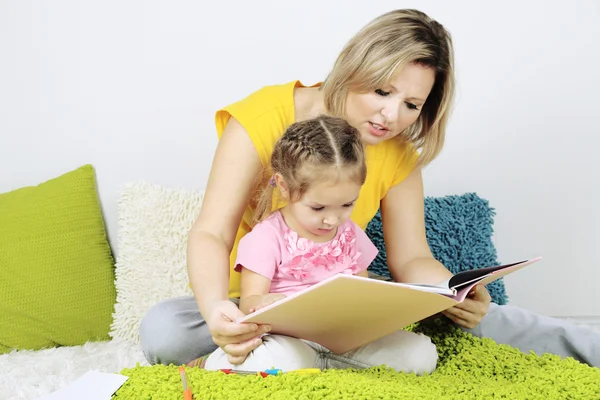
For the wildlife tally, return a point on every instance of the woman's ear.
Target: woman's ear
(283, 189)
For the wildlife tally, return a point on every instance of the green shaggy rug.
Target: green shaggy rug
(469, 368)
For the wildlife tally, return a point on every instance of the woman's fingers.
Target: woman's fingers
(471, 311)
(458, 321)
(460, 313)
(237, 352)
(482, 296)
(222, 341)
(225, 331)
(235, 329)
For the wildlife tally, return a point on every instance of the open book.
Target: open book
(345, 312)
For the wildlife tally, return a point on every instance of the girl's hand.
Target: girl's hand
(237, 340)
(471, 311)
(266, 300)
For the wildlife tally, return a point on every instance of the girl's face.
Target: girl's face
(322, 209)
(384, 113)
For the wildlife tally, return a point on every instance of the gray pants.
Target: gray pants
(173, 331)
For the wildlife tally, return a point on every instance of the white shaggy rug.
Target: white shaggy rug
(31, 374)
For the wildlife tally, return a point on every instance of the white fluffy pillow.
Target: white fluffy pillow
(151, 265)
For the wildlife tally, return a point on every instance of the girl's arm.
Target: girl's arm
(408, 255)
(230, 186)
(254, 290)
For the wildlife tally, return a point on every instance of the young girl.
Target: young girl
(318, 168)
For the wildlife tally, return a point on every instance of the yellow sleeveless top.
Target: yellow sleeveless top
(266, 114)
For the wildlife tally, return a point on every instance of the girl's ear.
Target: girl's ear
(283, 189)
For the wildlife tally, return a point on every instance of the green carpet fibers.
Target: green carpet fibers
(469, 368)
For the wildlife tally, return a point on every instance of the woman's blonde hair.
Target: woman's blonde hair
(386, 45)
(314, 150)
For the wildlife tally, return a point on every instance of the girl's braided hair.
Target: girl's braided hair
(316, 149)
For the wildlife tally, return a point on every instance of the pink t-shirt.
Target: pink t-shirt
(292, 263)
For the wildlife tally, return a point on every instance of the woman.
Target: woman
(394, 82)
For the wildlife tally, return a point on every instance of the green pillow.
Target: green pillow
(56, 266)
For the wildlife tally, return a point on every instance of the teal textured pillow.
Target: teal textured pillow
(459, 231)
(56, 267)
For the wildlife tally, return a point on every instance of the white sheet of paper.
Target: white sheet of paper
(93, 385)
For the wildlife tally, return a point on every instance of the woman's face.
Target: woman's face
(384, 113)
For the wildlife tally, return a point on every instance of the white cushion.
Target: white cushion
(154, 222)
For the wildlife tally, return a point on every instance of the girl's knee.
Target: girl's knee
(276, 351)
(413, 353)
(285, 353)
(424, 358)
(218, 360)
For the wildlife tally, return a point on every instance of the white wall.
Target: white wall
(132, 86)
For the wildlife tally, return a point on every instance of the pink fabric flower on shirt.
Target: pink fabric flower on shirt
(309, 255)
(296, 244)
(300, 268)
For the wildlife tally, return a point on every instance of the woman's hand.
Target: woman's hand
(266, 300)
(237, 340)
(471, 311)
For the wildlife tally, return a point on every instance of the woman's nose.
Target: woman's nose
(390, 111)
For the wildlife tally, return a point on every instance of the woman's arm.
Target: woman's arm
(230, 187)
(408, 255)
(403, 217)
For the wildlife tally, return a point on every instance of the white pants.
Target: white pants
(402, 350)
